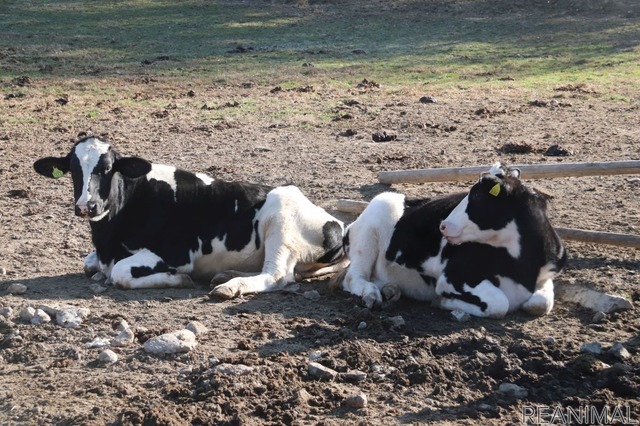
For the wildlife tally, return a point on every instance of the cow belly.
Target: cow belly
(205, 267)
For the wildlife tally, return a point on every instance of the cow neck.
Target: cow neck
(122, 191)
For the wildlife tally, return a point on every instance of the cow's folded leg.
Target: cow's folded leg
(541, 301)
(145, 269)
(483, 300)
(224, 276)
(391, 293)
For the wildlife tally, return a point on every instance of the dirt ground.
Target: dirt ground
(431, 370)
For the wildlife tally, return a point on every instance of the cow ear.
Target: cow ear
(132, 167)
(514, 171)
(52, 167)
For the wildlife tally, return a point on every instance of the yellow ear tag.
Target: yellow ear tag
(495, 191)
(57, 173)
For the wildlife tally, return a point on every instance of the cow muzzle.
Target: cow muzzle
(87, 210)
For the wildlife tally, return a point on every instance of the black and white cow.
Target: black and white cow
(158, 226)
(487, 252)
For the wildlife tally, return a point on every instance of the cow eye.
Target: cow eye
(107, 169)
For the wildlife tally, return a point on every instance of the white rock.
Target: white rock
(358, 400)
(591, 299)
(3, 271)
(99, 342)
(197, 328)
(233, 369)
(619, 351)
(321, 372)
(122, 325)
(511, 389)
(27, 313)
(40, 317)
(171, 343)
(71, 317)
(362, 325)
(17, 288)
(6, 312)
(460, 316)
(594, 348)
(108, 356)
(51, 310)
(124, 338)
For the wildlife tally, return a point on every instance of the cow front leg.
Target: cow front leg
(145, 269)
(484, 300)
(91, 264)
(224, 276)
(541, 301)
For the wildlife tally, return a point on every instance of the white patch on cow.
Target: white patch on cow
(547, 272)
(88, 154)
(204, 178)
(163, 173)
(220, 259)
(235, 208)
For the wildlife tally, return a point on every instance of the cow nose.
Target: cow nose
(443, 227)
(93, 208)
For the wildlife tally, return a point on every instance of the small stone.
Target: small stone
(460, 316)
(51, 310)
(397, 321)
(27, 313)
(311, 295)
(303, 397)
(121, 325)
(108, 357)
(186, 371)
(40, 317)
(354, 376)
(618, 351)
(357, 400)
(71, 317)
(362, 325)
(3, 271)
(99, 342)
(171, 343)
(17, 288)
(233, 369)
(322, 372)
(550, 341)
(598, 317)
(511, 389)
(594, 348)
(97, 288)
(315, 355)
(6, 312)
(197, 328)
(125, 338)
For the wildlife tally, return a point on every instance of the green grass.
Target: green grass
(439, 43)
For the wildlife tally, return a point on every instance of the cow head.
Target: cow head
(93, 163)
(486, 214)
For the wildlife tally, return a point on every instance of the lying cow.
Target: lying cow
(158, 226)
(488, 252)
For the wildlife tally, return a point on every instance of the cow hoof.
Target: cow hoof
(372, 300)
(223, 292)
(391, 293)
(220, 278)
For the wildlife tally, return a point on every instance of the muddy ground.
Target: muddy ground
(431, 370)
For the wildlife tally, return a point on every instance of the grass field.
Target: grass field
(398, 43)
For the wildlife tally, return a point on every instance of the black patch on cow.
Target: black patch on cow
(332, 242)
(468, 298)
(417, 236)
(255, 229)
(428, 280)
(145, 271)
